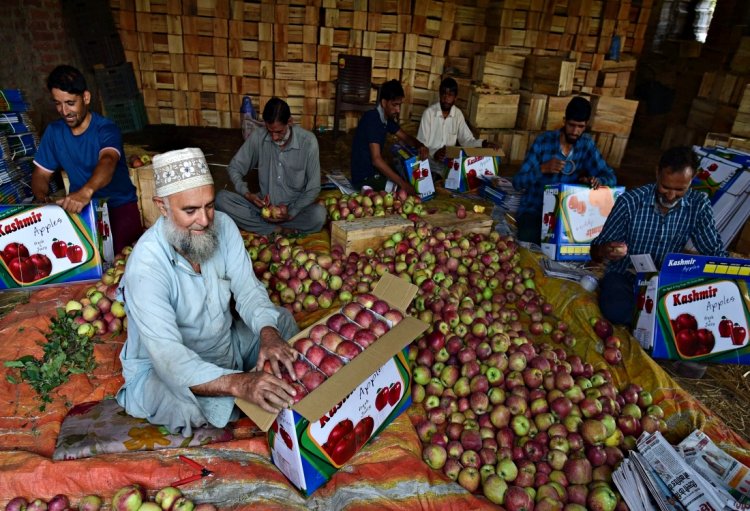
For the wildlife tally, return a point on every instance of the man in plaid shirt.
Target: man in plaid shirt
(566, 155)
(655, 219)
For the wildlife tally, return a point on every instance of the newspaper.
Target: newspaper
(636, 487)
(684, 483)
(729, 477)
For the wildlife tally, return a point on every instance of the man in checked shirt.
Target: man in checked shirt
(560, 156)
(654, 219)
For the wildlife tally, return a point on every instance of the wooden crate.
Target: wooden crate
(548, 75)
(531, 111)
(499, 70)
(146, 186)
(612, 115)
(474, 222)
(554, 118)
(362, 233)
(489, 110)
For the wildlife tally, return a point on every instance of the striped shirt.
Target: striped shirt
(584, 159)
(637, 220)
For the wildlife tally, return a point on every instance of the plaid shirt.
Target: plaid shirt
(637, 220)
(583, 160)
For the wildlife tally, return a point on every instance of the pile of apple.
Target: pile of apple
(371, 203)
(99, 312)
(525, 424)
(135, 498)
(344, 335)
(57, 503)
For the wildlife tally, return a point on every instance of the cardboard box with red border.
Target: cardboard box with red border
(695, 308)
(350, 407)
(468, 163)
(572, 216)
(43, 245)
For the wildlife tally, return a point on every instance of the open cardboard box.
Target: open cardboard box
(346, 404)
(468, 163)
(415, 171)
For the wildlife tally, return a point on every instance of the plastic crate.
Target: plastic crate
(129, 114)
(116, 83)
(105, 50)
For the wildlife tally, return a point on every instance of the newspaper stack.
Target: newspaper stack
(695, 476)
(500, 191)
(567, 271)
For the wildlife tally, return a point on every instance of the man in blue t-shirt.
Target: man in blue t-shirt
(89, 148)
(368, 165)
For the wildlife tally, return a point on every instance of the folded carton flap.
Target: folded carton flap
(337, 387)
(396, 291)
(455, 151)
(260, 417)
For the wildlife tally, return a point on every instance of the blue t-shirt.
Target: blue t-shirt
(78, 155)
(370, 130)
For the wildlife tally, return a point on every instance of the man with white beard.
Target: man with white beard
(186, 359)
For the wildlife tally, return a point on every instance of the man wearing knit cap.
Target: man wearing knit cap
(186, 359)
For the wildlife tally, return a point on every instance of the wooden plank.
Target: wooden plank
(363, 233)
(474, 222)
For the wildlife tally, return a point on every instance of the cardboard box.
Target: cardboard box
(572, 216)
(368, 232)
(347, 401)
(468, 163)
(695, 308)
(44, 245)
(415, 171)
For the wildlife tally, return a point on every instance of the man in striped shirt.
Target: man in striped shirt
(654, 219)
(566, 156)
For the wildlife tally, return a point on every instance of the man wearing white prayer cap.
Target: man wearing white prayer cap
(186, 359)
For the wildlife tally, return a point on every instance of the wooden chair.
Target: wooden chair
(353, 87)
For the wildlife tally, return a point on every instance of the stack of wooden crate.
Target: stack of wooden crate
(194, 60)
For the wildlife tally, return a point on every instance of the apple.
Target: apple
(167, 496)
(128, 498)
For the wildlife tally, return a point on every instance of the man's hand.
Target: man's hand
(440, 153)
(253, 198)
(424, 153)
(76, 201)
(491, 145)
(276, 350)
(553, 166)
(614, 250)
(409, 188)
(591, 181)
(265, 390)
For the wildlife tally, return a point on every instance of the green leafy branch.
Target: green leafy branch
(65, 353)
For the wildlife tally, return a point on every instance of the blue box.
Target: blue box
(696, 308)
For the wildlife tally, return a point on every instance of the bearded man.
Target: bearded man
(186, 358)
(566, 155)
(288, 162)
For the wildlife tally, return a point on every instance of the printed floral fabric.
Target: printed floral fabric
(102, 427)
